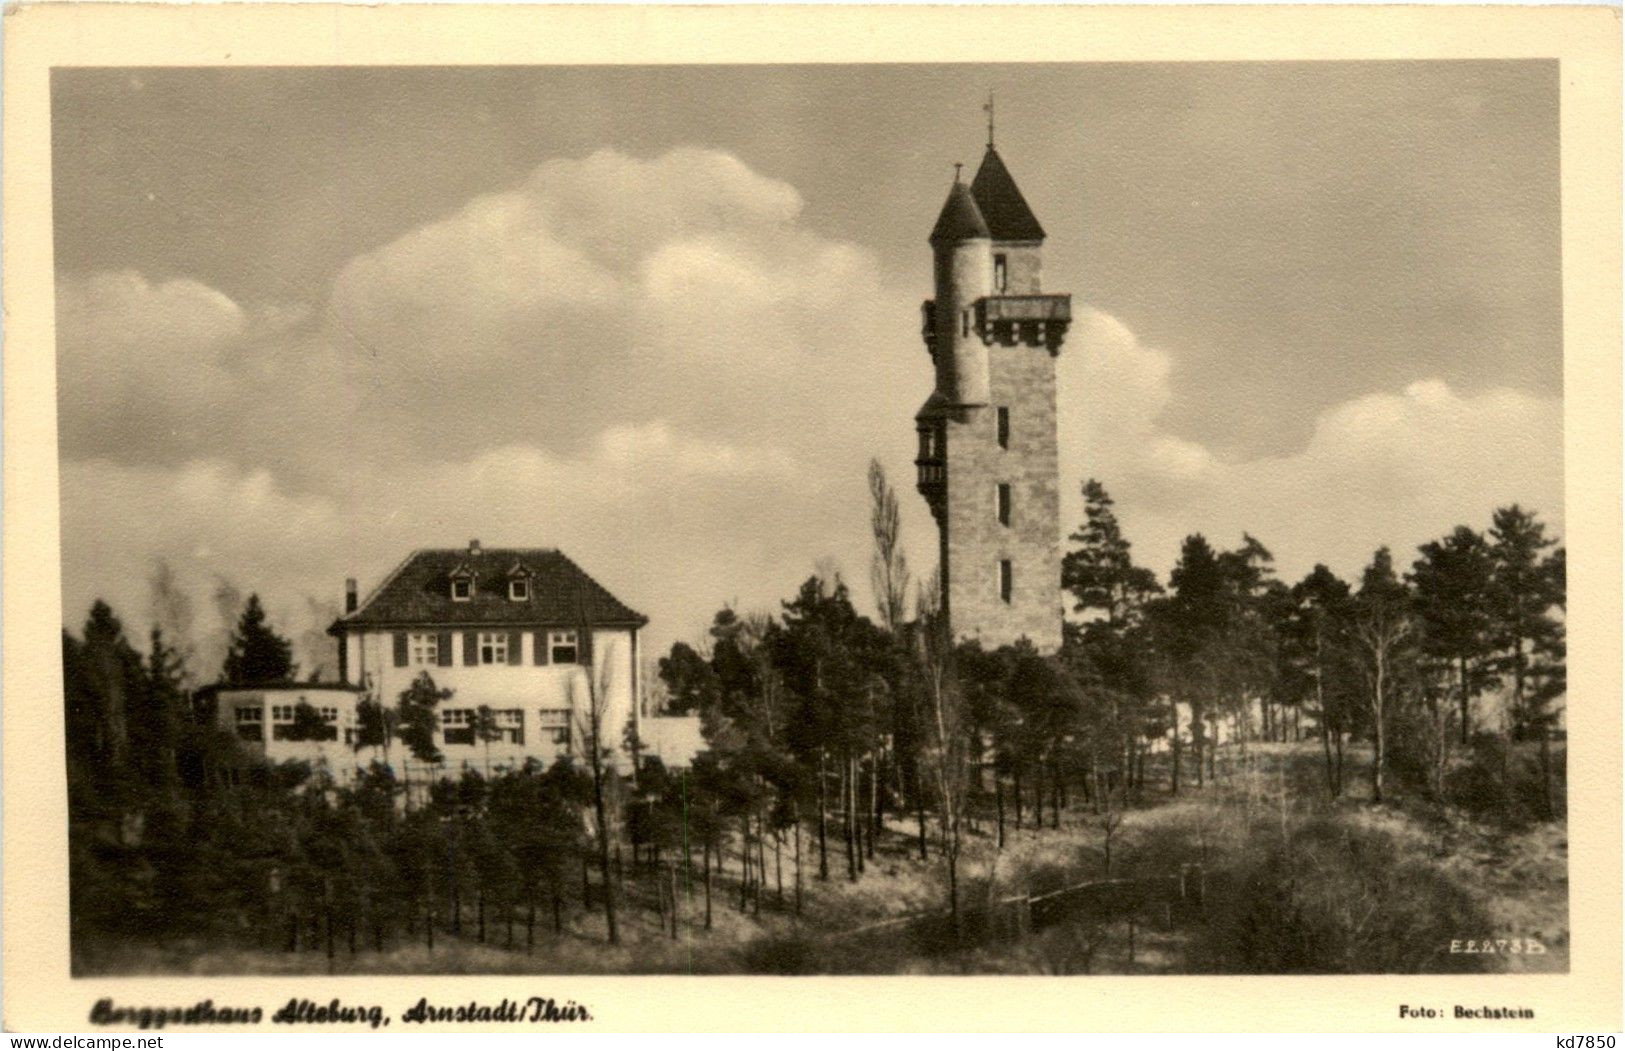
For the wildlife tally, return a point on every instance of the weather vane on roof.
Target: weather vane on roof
(989, 110)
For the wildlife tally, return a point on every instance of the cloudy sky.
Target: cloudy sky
(661, 318)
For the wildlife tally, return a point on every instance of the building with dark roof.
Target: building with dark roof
(523, 632)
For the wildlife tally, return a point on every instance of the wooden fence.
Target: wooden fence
(1008, 918)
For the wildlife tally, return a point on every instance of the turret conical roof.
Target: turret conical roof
(960, 220)
(1006, 212)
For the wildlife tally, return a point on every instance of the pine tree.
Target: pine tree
(829, 660)
(691, 685)
(1188, 626)
(1110, 652)
(1452, 580)
(1548, 672)
(416, 720)
(1526, 586)
(1316, 637)
(1523, 591)
(160, 718)
(257, 654)
(1383, 633)
(1247, 651)
(1099, 572)
(115, 682)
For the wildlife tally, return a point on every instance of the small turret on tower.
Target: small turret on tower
(963, 250)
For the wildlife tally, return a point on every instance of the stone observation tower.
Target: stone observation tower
(987, 460)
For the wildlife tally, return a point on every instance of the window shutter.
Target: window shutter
(515, 647)
(471, 647)
(400, 649)
(443, 649)
(541, 654)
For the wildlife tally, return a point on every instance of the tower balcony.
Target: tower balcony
(1033, 320)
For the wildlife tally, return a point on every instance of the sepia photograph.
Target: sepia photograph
(514, 524)
(1178, 588)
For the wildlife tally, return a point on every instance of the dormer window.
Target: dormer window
(462, 589)
(519, 583)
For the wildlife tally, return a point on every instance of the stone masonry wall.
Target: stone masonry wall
(1022, 378)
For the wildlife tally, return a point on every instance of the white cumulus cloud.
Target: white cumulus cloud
(1390, 467)
(659, 366)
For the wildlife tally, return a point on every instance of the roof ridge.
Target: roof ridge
(486, 554)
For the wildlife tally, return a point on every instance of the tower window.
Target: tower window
(1005, 579)
(1001, 275)
(964, 322)
(1004, 503)
(1004, 427)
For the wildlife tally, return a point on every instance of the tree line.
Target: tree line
(175, 832)
(828, 735)
(821, 720)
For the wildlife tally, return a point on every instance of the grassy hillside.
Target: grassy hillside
(1291, 882)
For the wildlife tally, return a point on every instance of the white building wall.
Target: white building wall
(336, 755)
(528, 687)
(674, 739)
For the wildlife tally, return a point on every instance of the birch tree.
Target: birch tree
(590, 703)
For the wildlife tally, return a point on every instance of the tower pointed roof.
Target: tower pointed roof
(1000, 201)
(960, 219)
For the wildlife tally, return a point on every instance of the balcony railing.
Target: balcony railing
(1037, 321)
(1024, 308)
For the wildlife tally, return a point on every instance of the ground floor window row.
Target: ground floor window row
(457, 725)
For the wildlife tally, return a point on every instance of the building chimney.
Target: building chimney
(473, 548)
(349, 595)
